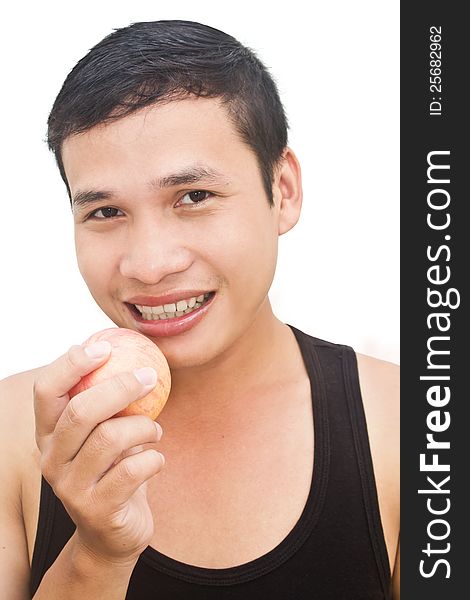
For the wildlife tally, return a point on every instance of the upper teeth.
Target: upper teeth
(175, 309)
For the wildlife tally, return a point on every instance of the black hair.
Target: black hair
(159, 61)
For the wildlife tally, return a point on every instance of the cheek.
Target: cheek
(246, 253)
(95, 262)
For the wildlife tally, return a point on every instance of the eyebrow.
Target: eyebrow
(87, 196)
(190, 175)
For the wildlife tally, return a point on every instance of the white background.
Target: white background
(337, 70)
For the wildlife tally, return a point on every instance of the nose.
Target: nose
(154, 251)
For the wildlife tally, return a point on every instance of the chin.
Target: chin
(192, 355)
(178, 361)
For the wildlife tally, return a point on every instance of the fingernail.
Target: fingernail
(146, 376)
(159, 430)
(98, 349)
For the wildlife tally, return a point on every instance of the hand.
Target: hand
(94, 463)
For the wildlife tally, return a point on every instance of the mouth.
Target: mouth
(173, 319)
(172, 311)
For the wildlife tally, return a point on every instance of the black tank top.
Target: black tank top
(336, 550)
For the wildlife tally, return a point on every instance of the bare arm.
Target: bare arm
(77, 574)
(14, 563)
(98, 468)
(379, 382)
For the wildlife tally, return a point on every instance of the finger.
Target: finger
(124, 479)
(107, 443)
(97, 404)
(51, 387)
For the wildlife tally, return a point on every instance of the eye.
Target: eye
(107, 212)
(195, 197)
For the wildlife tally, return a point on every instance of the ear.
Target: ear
(287, 191)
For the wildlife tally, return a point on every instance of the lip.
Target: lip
(169, 327)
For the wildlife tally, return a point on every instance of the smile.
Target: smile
(170, 311)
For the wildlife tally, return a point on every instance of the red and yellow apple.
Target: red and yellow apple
(130, 350)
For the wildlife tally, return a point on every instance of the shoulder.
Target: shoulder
(19, 474)
(19, 452)
(19, 381)
(380, 377)
(17, 418)
(379, 381)
(380, 386)
(16, 397)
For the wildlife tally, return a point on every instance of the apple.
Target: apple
(130, 350)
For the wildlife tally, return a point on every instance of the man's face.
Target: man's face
(170, 205)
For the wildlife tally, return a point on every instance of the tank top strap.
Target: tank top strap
(54, 529)
(364, 460)
(351, 469)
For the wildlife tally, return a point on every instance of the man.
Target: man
(276, 475)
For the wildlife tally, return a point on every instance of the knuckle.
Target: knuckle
(66, 490)
(93, 504)
(106, 435)
(159, 460)
(60, 490)
(72, 502)
(130, 469)
(74, 411)
(47, 465)
(75, 503)
(144, 427)
(55, 478)
(118, 523)
(122, 384)
(155, 462)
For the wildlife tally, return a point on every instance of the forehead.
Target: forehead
(157, 140)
